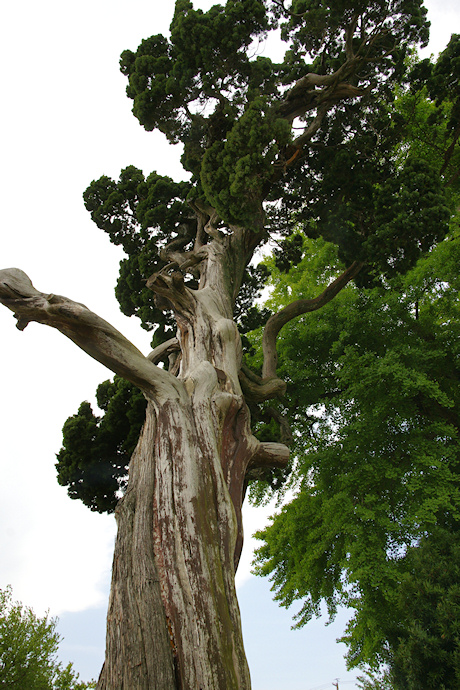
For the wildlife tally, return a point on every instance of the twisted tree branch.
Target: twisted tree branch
(297, 308)
(256, 389)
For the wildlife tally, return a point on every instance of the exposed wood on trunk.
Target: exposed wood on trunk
(139, 651)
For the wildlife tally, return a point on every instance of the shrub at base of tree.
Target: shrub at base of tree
(28, 647)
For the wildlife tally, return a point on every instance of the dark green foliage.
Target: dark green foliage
(28, 646)
(289, 253)
(202, 86)
(439, 129)
(93, 462)
(144, 216)
(316, 27)
(235, 172)
(411, 215)
(420, 632)
(425, 644)
(442, 79)
(245, 314)
(376, 209)
(205, 58)
(420, 642)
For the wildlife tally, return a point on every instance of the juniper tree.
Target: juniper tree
(267, 147)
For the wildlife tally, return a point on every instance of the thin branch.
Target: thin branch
(297, 308)
(349, 33)
(87, 330)
(449, 152)
(286, 11)
(312, 128)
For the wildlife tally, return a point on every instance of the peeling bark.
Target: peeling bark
(173, 621)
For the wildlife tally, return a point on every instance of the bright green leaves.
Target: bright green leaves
(28, 647)
(374, 411)
(300, 571)
(235, 171)
(93, 462)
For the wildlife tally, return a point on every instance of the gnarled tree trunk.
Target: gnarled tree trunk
(173, 621)
(179, 524)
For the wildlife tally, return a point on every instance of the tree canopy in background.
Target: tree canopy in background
(28, 646)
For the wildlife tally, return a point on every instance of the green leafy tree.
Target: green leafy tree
(311, 145)
(377, 473)
(28, 646)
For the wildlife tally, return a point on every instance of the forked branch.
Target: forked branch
(87, 330)
(297, 308)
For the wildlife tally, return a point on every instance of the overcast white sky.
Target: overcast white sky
(65, 120)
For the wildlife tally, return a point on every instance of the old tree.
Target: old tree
(274, 153)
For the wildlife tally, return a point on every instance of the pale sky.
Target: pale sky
(65, 120)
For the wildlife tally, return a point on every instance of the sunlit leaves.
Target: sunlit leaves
(28, 647)
(380, 467)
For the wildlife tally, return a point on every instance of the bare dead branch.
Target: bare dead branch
(87, 330)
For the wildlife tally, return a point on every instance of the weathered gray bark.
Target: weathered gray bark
(173, 621)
